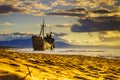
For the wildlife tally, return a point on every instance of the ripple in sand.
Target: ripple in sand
(80, 78)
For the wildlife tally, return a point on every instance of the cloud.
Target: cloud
(58, 37)
(63, 3)
(22, 35)
(86, 13)
(106, 36)
(84, 3)
(101, 11)
(56, 25)
(60, 34)
(81, 7)
(95, 3)
(3, 31)
(12, 36)
(39, 7)
(97, 24)
(35, 5)
(64, 25)
(6, 9)
(67, 14)
(23, 7)
(39, 14)
(6, 24)
(76, 12)
(92, 20)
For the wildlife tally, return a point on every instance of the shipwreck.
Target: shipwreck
(43, 41)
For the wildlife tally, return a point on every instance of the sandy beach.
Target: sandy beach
(39, 66)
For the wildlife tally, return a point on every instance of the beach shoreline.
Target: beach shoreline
(14, 65)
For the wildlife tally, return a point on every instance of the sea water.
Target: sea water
(95, 52)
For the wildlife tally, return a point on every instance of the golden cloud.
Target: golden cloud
(39, 7)
(24, 7)
(94, 3)
(4, 31)
(109, 36)
(6, 24)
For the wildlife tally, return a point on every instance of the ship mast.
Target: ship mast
(42, 30)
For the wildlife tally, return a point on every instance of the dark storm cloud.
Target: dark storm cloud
(67, 14)
(101, 11)
(117, 18)
(6, 9)
(94, 25)
(77, 10)
(93, 20)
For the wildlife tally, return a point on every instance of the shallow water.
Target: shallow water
(98, 52)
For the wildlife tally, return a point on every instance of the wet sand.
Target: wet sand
(38, 66)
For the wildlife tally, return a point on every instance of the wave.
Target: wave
(104, 53)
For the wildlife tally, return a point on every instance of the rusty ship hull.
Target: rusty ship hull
(40, 43)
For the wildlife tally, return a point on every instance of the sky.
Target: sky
(78, 22)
